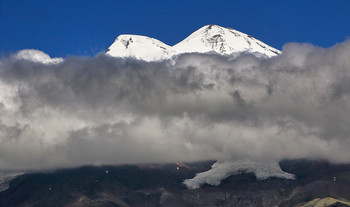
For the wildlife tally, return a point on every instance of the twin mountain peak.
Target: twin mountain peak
(208, 39)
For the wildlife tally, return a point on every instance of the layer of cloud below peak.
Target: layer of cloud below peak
(106, 110)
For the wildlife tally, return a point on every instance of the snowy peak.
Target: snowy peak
(208, 39)
(139, 47)
(36, 56)
(226, 41)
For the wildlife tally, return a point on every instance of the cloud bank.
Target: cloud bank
(106, 110)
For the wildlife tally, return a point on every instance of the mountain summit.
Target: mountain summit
(208, 39)
(139, 47)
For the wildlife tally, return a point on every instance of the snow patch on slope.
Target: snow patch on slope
(36, 56)
(221, 170)
(5, 179)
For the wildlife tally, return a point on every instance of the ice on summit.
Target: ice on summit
(223, 169)
(226, 41)
(208, 39)
(139, 47)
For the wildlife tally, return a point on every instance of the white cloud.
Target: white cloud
(108, 111)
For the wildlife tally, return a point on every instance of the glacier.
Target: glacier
(223, 169)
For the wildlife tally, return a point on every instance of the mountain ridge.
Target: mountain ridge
(207, 39)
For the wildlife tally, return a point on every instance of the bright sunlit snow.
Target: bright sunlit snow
(139, 47)
(208, 39)
(36, 56)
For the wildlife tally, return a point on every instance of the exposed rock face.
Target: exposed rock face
(161, 185)
(328, 201)
(5, 179)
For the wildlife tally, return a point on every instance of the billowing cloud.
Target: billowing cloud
(105, 110)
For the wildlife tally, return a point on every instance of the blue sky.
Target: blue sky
(77, 27)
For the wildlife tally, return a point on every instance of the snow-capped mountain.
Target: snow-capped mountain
(139, 47)
(36, 56)
(221, 170)
(208, 39)
(226, 41)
